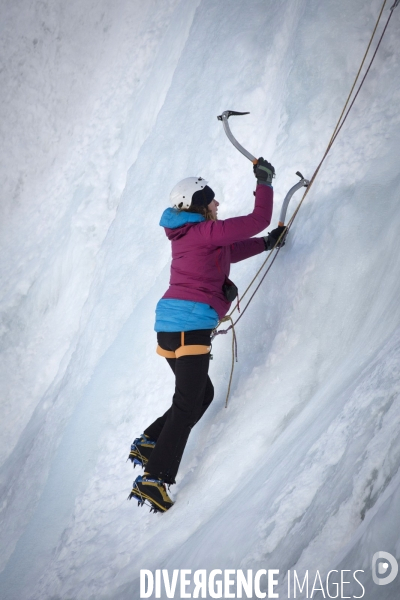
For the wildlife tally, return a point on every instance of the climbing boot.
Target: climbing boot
(141, 449)
(153, 490)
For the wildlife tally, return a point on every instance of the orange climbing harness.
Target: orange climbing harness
(190, 350)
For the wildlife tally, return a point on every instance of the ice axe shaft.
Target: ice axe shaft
(302, 183)
(224, 118)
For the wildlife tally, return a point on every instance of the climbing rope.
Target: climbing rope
(342, 119)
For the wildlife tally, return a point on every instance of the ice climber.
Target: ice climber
(199, 295)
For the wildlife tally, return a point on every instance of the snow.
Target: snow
(104, 107)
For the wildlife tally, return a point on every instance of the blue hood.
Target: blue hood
(172, 218)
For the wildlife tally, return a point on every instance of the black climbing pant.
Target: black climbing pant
(193, 395)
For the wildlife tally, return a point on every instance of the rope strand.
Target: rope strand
(339, 125)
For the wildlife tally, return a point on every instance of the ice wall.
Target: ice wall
(104, 108)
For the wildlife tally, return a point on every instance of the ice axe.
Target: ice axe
(302, 183)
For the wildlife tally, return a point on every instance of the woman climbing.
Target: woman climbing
(199, 295)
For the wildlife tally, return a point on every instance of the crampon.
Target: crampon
(152, 492)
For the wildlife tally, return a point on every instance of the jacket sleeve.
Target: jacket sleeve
(242, 250)
(237, 229)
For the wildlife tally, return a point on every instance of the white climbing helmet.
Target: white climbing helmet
(181, 195)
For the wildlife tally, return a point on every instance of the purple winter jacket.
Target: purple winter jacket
(202, 252)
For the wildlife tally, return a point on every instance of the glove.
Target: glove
(264, 171)
(273, 236)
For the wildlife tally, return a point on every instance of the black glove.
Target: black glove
(273, 236)
(264, 171)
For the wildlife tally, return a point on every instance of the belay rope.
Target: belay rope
(343, 116)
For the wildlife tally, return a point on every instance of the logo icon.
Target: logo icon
(381, 561)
